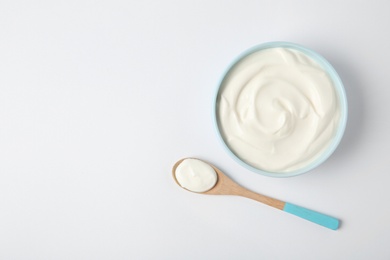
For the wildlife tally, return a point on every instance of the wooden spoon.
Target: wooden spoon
(226, 186)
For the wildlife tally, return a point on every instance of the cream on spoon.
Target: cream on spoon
(195, 175)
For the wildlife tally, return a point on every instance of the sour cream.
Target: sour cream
(195, 175)
(277, 109)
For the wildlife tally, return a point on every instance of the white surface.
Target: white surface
(95, 102)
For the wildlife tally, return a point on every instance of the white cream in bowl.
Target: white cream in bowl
(278, 110)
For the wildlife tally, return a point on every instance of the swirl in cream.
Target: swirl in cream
(277, 109)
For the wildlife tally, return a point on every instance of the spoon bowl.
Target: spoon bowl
(226, 186)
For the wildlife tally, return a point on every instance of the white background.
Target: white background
(98, 99)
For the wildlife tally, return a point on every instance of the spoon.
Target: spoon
(226, 186)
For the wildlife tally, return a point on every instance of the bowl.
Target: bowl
(306, 56)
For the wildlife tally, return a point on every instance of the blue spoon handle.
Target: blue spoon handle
(313, 216)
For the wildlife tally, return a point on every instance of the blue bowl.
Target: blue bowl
(339, 88)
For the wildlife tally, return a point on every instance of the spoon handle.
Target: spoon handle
(313, 216)
(310, 215)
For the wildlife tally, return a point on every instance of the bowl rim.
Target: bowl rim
(339, 88)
